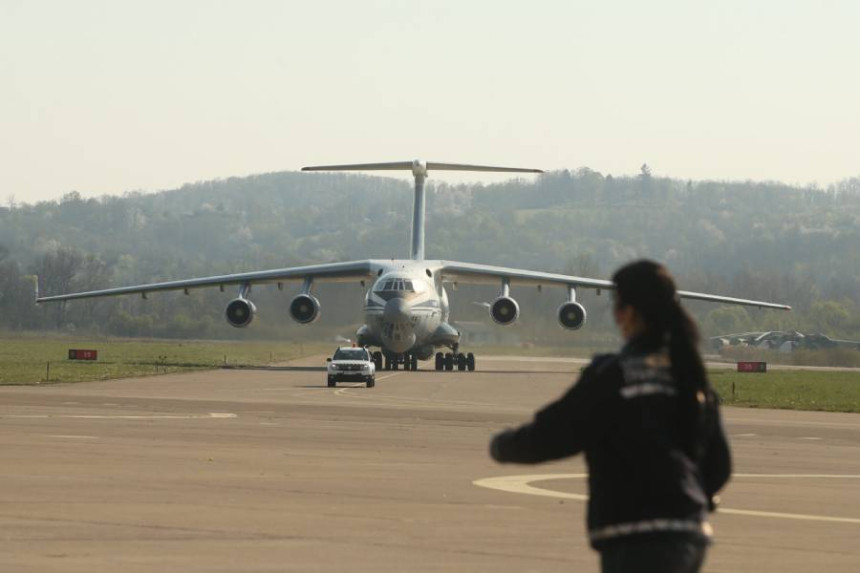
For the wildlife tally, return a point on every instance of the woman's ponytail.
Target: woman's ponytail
(649, 288)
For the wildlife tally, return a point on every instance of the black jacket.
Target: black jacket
(623, 413)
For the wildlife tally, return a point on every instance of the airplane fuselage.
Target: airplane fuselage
(406, 310)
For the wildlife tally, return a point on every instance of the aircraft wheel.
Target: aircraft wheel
(414, 363)
(440, 361)
(449, 361)
(461, 361)
(377, 360)
(470, 362)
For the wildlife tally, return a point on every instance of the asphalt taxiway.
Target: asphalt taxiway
(269, 470)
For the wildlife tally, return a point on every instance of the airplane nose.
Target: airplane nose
(396, 311)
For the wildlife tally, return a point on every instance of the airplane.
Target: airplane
(406, 307)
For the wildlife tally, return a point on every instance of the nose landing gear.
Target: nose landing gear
(393, 361)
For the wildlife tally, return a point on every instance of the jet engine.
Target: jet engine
(571, 315)
(305, 308)
(504, 310)
(240, 312)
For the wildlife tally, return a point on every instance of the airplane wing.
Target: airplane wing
(332, 272)
(488, 274)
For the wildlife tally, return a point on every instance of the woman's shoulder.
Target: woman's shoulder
(601, 365)
(601, 361)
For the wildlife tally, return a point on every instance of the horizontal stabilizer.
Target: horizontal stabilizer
(464, 167)
(362, 167)
(418, 166)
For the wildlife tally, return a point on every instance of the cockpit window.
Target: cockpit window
(398, 285)
(399, 288)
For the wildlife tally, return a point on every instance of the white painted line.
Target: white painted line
(63, 437)
(521, 484)
(342, 391)
(744, 435)
(213, 415)
(387, 376)
(799, 516)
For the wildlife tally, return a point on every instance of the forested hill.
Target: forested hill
(757, 240)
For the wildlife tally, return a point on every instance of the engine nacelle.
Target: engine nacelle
(504, 310)
(305, 309)
(240, 312)
(571, 315)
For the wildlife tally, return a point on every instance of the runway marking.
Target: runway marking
(65, 437)
(744, 435)
(210, 416)
(811, 438)
(521, 484)
(342, 391)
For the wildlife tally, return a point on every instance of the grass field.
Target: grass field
(790, 389)
(34, 360)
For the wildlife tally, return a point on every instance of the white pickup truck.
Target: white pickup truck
(351, 363)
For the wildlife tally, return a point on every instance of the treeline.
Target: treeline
(755, 240)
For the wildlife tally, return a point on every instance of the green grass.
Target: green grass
(789, 389)
(24, 360)
(33, 359)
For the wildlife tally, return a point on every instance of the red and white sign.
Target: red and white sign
(752, 366)
(76, 354)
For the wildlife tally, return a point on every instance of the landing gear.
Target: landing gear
(377, 360)
(393, 361)
(449, 360)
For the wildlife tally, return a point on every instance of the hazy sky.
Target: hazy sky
(110, 96)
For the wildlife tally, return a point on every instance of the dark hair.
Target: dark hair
(650, 289)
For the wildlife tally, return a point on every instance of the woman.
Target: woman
(649, 424)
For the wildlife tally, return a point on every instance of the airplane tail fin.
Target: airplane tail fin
(419, 170)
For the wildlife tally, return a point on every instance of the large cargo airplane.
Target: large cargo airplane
(406, 308)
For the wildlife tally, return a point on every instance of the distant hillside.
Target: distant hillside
(757, 240)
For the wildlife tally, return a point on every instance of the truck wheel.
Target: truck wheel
(331, 382)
